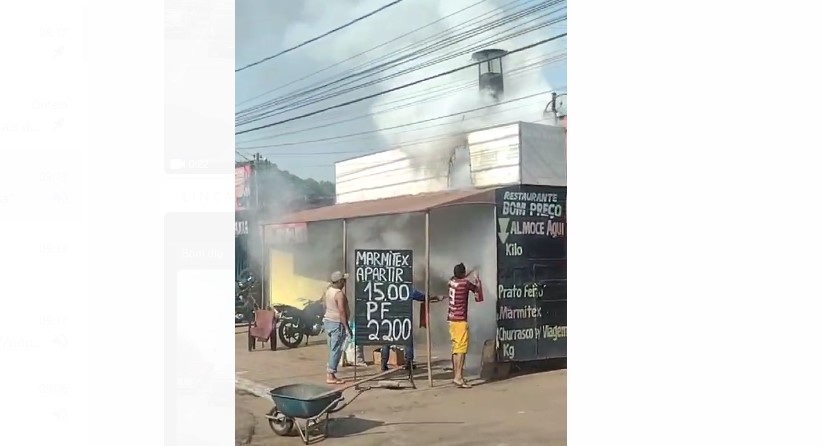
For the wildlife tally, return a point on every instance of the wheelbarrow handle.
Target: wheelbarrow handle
(343, 406)
(356, 383)
(331, 408)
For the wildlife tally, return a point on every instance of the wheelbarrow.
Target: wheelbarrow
(310, 402)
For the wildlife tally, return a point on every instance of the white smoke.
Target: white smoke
(401, 231)
(465, 234)
(431, 150)
(279, 195)
(459, 175)
(460, 234)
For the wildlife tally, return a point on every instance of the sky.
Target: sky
(309, 147)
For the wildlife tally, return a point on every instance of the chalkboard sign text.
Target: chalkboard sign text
(383, 281)
(531, 273)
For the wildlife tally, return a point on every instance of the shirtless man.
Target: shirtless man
(335, 323)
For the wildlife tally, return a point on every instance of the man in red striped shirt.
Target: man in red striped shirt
(458, 288)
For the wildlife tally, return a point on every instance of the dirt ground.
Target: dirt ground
(521, 410)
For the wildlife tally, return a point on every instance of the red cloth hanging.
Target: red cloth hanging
(423, 316)
(478, 295)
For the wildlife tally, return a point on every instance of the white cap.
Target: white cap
(337, 276)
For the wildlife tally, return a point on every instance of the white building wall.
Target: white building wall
(494, 156)
(386, 174)
(520, 153)
(543, 155)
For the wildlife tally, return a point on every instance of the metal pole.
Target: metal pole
(257, 212)
(254, 171)
(351, 303)
(263, 264)
(345, 246)
(428, 294)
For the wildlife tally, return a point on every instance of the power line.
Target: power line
(354, 101)
(433, 94)
(441, 93)
(320, 36)
(319, 97)
(380, 64)
(370, 62)
(315, 100)
(440, 41)
(448, 88)
(368, 132)
(420, 141)
(402, 146)
(360, 54)
(335, 91)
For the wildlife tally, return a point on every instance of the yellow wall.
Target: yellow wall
(286, 287)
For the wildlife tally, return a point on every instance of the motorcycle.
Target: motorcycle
(296, 324)
(244, 303)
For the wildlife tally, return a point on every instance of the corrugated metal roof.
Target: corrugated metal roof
(394, 205)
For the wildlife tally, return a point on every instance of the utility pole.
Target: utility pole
(553, 107)
(258, 230)
(254, 172)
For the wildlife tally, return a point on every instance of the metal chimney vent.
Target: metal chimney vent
(490, 71)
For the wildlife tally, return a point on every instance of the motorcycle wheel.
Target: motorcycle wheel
(290, 334)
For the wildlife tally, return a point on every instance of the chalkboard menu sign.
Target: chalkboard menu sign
(531, 273)
(383, 283)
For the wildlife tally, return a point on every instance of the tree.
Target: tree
(281, 192)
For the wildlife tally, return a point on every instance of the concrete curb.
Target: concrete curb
(253, 388)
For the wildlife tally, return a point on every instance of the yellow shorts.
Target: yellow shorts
(459, 336)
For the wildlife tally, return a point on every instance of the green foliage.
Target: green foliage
(283, 192)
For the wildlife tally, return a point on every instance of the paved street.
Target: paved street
(527, 409)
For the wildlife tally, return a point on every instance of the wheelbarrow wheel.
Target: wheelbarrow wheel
(281, 425)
